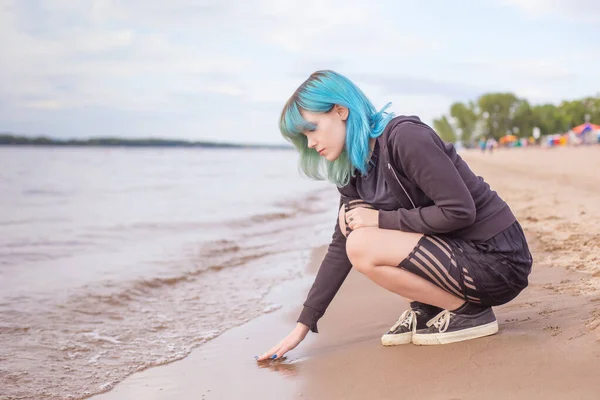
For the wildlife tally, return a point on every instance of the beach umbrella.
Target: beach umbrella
(585, 128)
(508, 139)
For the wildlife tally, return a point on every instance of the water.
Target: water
(116, 259)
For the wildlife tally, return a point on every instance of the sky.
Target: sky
(222, 70)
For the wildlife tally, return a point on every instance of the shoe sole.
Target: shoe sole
(398, 338)
(457, 336)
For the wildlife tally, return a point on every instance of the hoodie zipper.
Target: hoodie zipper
(401, 185)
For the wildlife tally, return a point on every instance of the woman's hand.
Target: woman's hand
(291, 341)
(362, 217)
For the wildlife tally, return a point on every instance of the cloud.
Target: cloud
(407, 85)
(147, 56)
(217, 69)
(524, 68)
(572, 10)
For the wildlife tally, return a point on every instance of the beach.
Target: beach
(163, 300)
(548, 346)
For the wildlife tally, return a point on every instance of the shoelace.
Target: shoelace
(441, 321)
(407, 319)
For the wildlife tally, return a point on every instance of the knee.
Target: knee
(357, 249)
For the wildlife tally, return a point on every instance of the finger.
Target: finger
(359, 224)
(270, 353)
(282, 352)
(290, 345)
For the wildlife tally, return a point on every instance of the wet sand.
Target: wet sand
(548, 346)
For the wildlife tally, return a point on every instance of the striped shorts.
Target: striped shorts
(490, 272)
(434, 259)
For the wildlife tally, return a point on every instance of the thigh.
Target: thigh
(376, 247)
(438, 260)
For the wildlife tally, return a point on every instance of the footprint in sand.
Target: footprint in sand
(516, 306)
(516, 320)
(546, 312)
(553, 330)
(593, 322)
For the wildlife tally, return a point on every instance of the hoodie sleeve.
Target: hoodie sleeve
(422, 156)
(333, 271)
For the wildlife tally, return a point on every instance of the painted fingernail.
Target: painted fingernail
(256, 357)
(274, 356)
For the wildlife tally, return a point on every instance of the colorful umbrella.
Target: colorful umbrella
(585, 128)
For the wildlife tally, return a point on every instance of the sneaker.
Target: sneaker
(449, 327)
(407, 324)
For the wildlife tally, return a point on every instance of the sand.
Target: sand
(548, 346)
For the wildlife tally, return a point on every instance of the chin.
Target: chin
(331, 156)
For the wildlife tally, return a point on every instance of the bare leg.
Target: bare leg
(377, 252)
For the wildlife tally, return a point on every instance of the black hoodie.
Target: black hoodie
(438, 192)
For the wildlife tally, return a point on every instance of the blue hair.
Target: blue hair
(319, 93)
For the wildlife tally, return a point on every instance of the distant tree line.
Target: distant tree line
(8, 139)
(498, 114)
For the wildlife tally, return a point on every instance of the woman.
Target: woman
(413, 218)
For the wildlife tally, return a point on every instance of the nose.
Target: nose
(312, 143)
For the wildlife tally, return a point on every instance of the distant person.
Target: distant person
(413, 218)
(482, 144)
(491, 144)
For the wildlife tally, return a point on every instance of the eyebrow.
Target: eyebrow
(311, 126)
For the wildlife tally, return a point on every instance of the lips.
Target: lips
(321, 151)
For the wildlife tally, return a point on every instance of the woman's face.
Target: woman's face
(329, 136)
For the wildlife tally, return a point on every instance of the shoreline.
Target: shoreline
(543, 350)
(9, 140)
(133, 287)
(548, 345)
(225, 367)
